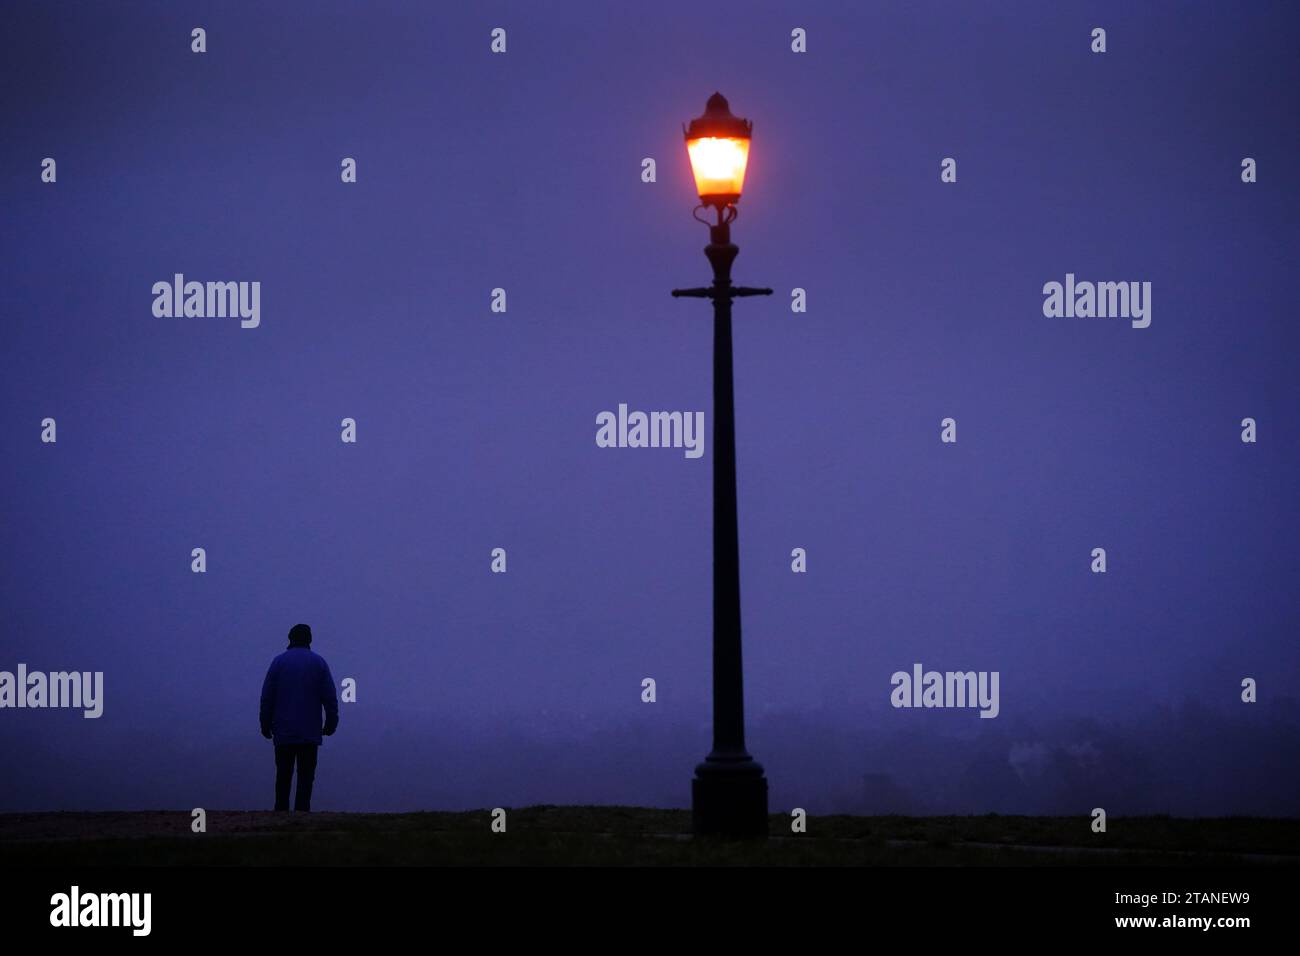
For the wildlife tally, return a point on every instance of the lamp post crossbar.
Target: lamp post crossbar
(709, 292)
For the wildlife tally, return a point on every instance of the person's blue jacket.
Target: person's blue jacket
(298, 686)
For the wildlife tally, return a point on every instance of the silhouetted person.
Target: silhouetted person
(298, 686)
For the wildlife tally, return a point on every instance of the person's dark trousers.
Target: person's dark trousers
(286, 755)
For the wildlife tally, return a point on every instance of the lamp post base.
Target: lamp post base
(729, 799)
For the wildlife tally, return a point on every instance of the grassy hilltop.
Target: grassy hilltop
(607, 835)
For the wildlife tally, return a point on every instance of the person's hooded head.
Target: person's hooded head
(300, 636)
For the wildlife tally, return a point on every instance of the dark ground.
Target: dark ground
(609, 835)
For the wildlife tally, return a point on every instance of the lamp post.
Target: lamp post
(729, 792)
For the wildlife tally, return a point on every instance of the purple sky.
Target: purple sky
(476, 430)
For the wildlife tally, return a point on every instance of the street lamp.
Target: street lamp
(718, 145)
(729, 792)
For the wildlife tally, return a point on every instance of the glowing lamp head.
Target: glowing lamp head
(718, 145)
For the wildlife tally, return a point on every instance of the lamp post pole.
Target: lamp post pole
(729, 792)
